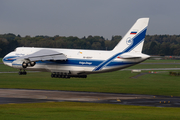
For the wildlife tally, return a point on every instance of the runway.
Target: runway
(12, 96)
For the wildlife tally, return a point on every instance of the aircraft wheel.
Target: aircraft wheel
(20, 73)
(85, 76)
(56, 75)
(52, 75)
(23, 73)
(67, 76)
(59, 76)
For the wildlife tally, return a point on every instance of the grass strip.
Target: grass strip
(114, 82)
(84, 111)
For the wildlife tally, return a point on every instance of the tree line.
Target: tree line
(153, 45)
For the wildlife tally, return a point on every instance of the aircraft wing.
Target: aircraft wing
(43, 55)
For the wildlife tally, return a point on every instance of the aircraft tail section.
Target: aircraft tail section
(134, 39)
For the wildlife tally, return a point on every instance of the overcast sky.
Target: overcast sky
(87, 17)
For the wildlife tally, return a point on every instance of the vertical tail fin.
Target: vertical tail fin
(134, 39)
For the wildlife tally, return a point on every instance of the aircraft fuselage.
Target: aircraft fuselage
(78, 61)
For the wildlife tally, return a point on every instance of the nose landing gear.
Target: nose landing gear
(22, 72)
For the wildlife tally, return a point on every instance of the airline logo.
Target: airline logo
(129, 41)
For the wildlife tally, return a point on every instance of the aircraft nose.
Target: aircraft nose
(4, 60)
(7, 61)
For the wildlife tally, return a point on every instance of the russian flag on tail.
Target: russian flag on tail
(133, 32)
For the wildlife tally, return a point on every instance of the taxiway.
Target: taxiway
(11, 96)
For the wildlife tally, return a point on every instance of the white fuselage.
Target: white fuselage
(78, 61)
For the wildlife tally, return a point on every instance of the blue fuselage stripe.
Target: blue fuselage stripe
(72, 62)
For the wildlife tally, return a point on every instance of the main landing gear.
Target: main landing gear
(65, 75)
(59, 75)
(22, 72)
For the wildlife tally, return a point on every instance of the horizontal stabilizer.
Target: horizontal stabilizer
(131, 55)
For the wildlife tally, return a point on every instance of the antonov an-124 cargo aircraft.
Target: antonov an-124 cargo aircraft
(66, 63)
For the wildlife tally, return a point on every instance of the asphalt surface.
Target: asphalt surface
(12, 96)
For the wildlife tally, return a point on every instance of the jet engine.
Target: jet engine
(22, 64)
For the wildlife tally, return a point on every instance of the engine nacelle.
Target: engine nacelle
(22, 64)
(32, 63)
